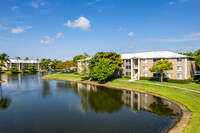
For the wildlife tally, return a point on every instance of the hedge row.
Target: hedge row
(184, 81)
(197, 77)
(128, 77)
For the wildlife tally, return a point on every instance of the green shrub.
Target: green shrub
(153, 79)
(76, 73)
(128, 77)
(197, 77)
(14, 69)
(23, 69)
(32, 68)
(180, 81)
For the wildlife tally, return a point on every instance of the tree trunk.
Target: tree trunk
(161, 78)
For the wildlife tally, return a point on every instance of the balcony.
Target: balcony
(136, 67)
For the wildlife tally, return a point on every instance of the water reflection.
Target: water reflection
(4, 101)
(102, 99)
(42, 105)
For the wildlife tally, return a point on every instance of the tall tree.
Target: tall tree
(103, 70)
(3, 58)
(18, 58)
(45, 64)
(79, 57)
(114, 58)
(161, 66)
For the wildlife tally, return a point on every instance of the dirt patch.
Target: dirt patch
(178, 128)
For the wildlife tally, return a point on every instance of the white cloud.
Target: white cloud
(18, 29)
(14, 7)
(37, 3)
(171, 3)
(48, 39)
(81, 22)
(120, 29)
(131, 47)
(195, 34)
(130, 34)
(4, 28)
(59, 35)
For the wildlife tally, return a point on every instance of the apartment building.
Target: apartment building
(138, 64)
(83, 64)
(20, 63)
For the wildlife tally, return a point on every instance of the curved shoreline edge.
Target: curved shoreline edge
(180, 125)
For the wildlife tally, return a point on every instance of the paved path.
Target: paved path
(165, 85)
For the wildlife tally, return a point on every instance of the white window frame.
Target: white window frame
(144, 60)
(179, 69)
(145, 74)
(180, 59)
(181, 76)
(169, 76)
(169, 59)
(144, 67)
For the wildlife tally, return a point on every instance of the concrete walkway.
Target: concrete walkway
(165, 85)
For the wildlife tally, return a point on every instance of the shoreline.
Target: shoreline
(177, 128)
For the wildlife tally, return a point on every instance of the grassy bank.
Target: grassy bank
(192, 86)
(189, 99)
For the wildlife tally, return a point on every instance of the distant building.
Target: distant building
(83, 64)
(138, 64)
(20, 63)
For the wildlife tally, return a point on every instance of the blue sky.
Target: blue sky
(62, 29)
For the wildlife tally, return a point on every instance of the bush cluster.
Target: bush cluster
(14, 69)
(180, 81)
(128, 77)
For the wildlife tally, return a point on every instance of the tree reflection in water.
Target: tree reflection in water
(99, 99)
(4, 101)
(158, 107)
(46, 88)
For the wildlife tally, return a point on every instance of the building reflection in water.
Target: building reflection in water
(145, 102)
(102, 99)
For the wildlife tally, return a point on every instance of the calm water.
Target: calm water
(30, 104)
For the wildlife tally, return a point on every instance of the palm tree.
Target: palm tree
(18, 58)
(37, 63)
(26, 59)
(3, 58)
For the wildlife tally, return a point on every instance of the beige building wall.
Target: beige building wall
(146, 65)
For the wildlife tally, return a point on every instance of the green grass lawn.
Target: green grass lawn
(189, 99)
(192, 86)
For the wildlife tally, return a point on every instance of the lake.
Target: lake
(30, 104)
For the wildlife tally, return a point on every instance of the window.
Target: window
(179, 76)
(128, 73)
(144, 60)
(128, 62)
(179, 59)
(128, 67)
(144, 67)
(169, 59)
(168, 75)
(145, 74)
(179, 68)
